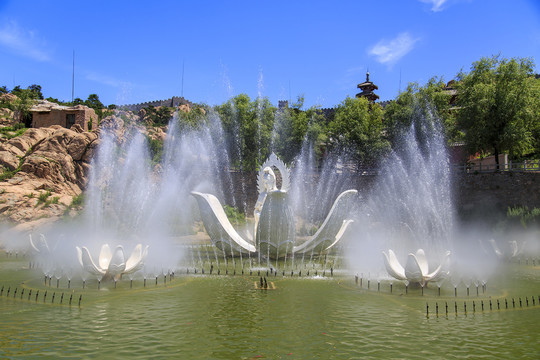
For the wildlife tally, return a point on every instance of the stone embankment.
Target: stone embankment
(481, 196)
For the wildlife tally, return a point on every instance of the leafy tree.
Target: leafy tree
(497, 106)
(59, 102)
(248, 129)
(290, 128)
(21, 106)
(535, 109)
(3, 90)
(193, 119)
(293, 126)
(94, 103)
(156, 149)
(358, 127)
(427, 101)
(159, 116)
(33, 92)
(77, 101)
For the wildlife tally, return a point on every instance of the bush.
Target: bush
(77, 200)
(234, 216)
(523, 216)
(156, 149)
(43, 197)
(13, 131)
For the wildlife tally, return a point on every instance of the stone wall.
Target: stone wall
(484, 196)
(172, 102)
(58, 116)
(488, 196)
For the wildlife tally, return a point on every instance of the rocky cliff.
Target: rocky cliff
(42, 171)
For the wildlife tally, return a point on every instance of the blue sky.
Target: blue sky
(133, 51)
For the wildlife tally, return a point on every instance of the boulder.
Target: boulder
(54, 159)
(9, 160)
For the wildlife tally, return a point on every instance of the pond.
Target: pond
(195, 316)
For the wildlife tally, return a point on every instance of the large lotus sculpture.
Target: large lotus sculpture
(416, 269)
(112, 263)
(274, 232)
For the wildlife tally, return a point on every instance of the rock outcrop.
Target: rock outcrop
(42, 171)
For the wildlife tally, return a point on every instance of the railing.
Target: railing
(526, 166)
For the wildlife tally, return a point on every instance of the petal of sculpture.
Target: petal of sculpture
(118, 262)
(422, 261)
(327, 235)
(32, 244)
(218, 226)
(393, 266)
(441, 271)
(104, 256)
(340, 233)
(87, 262)
(40, 246)
(136, 259)
(413, 270)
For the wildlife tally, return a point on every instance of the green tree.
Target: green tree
(22, 105)
(497, 106)
(194, 119)
(33, 92)
(94, 103)
(429, 100)
(290, 128)
(247, 127)
(358, 128)
(159, 116)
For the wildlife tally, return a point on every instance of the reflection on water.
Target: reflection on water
(227, 318)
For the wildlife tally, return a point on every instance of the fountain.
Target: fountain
(274, 227)
(174, 287)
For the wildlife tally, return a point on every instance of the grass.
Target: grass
(10, 132)
(43, 196)
(77, 200)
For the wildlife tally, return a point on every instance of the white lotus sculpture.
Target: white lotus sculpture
(512, 250)
(274, 229)
(112, 263)
(40, 246)
(416, 269)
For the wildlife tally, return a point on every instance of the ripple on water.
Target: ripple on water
(223, 318)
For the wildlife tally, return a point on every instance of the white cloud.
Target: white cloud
(23, 42)
(104, 79)
(390, 51)
(437, 5)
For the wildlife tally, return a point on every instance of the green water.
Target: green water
(227, 317)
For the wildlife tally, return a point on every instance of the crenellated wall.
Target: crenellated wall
(172, 102)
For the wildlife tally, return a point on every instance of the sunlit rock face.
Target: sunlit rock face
(416, 269)
(274, 228)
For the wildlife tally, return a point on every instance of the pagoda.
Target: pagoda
(367, 88)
